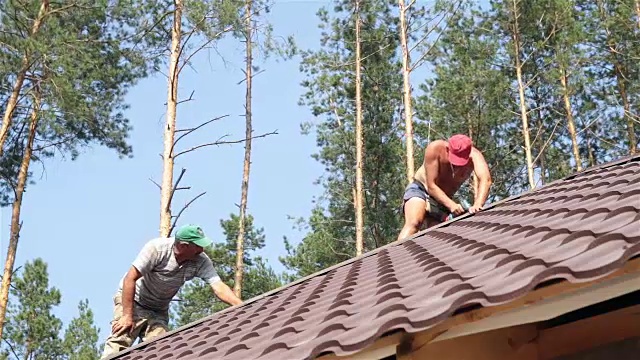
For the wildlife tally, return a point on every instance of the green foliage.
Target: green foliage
(469, 94)
(471, 90)
(197, 299)
(81, 336)
(32, 331)
(83, 59)
(330, 94)
(612, 37)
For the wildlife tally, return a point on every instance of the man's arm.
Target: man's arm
(432, 168)
(483, 175)
(125, 323)
(128, 290)
(220, 289)
(143, 263)
(224, 292)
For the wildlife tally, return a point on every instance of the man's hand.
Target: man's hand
(224, 292)
(124, 325)
(457, 209)
(474, 209)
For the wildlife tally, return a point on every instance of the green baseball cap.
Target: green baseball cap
(193, 234)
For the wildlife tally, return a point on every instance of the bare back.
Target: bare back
(447, 179)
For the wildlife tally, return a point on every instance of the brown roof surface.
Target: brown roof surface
(578, 228)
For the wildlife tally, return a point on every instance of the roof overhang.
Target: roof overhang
(548, 308)
(539, 305)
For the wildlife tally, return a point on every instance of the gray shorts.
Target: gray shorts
(416, 189)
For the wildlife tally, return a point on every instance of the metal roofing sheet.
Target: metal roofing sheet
(579, 228)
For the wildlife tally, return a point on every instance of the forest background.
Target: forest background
(283, 133)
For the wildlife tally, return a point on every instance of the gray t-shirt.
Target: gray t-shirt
(162, 276)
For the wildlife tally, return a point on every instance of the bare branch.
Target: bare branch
(252, 76)
(541, 151)
(182, 210)
(173, 191)
(335, 111)
(204, 45)
(189, 131)
(219, 142)
(424, 55)
(186, 100)
(352, 63)
(158, 185)
(11, 348)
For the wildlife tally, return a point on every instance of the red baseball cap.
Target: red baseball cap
(459, 149)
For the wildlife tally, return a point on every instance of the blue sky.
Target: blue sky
(89, 218)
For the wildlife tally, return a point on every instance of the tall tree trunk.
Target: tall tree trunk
(10, 107)
(592, 160)
(166, 192)
(359, 142)
(572, 126)
(638, 12)
(621, 75)
(622, 88)
(542, 152)
(474, 179)
(15, 213)
(237, 288)
(523, 106)
(406, 72)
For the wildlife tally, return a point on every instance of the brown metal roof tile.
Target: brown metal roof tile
(578, 228)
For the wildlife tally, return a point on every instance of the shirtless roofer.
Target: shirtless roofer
(447, 164)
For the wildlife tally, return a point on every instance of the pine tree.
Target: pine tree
(81, 336)
(32, 330)
(69, 66)
(330, 95)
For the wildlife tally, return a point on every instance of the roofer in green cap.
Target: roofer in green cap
(141, 304)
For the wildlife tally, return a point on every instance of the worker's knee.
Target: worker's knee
(155, 329)
(115, 344)
(414, 212)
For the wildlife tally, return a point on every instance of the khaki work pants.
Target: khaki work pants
(147, 324)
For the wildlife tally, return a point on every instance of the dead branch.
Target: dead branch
(11, 348)
(422, 58)
(212, 39)
(204, 45)
(252, 76)
(184, 101)
(541, 150)
(13, 273)
(352, 63)
(335, 111)
(183, 209)
(158, 185)
(175, 186)
(425, 36)
(219, 142)
(178, 188)
(189, 131)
